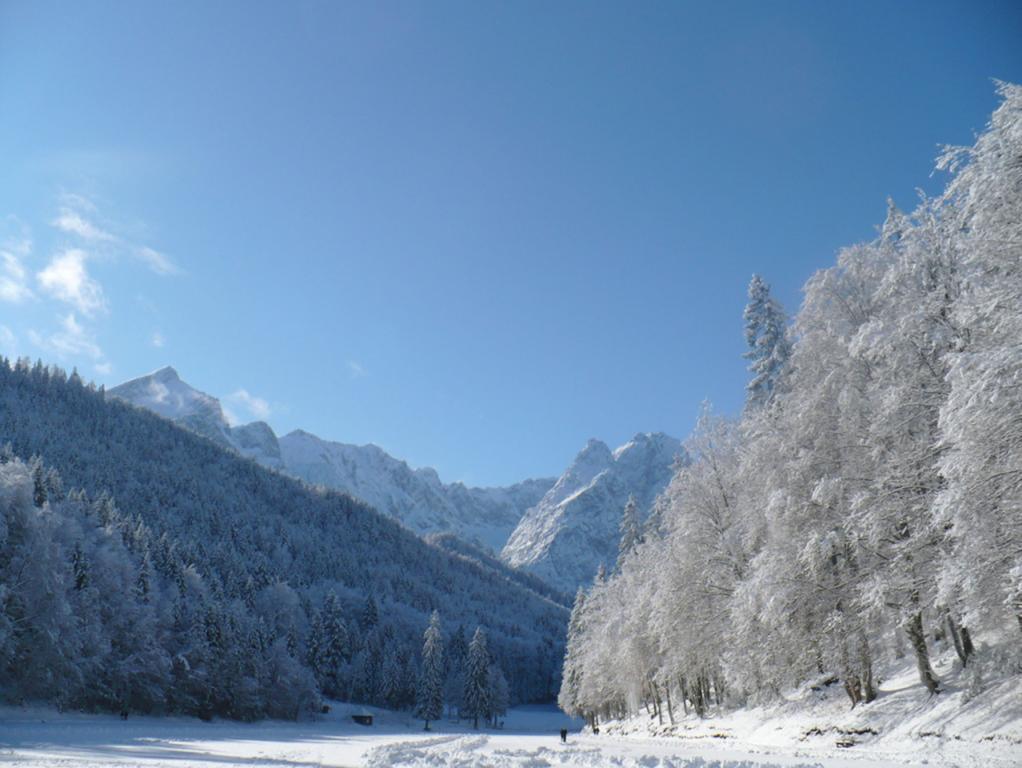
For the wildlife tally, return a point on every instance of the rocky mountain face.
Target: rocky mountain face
(164, 393)
(575, 527)
(416, 497)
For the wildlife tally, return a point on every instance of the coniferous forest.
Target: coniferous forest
(145, 569)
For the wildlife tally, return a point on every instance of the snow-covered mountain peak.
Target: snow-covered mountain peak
(416, 497)
(164, 393)
(575, 526)
(166, 373)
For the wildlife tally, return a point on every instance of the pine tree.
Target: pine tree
(370, 616)
(80, 567)
(766, 336)
(499, 694)
(477, 678)
(631, 530)
(38, 482)
(454, 684)
(430, 694)
(392, 681)
(568, 699)
(329, 645)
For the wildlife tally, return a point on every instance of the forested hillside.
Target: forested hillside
(146, 567)
(868, 503)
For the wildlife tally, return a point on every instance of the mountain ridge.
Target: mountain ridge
(416, 497)
(557, 529)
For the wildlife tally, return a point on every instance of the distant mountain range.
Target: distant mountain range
(560, 530)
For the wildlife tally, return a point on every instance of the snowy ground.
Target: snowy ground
(911, 730)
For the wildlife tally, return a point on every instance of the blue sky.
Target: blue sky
(473, 233)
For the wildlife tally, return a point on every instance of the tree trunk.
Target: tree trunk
(961, 640)
(914, 630)
(670, 709)
(869, 691)
(967, 645)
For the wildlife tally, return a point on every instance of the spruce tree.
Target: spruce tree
(567, 699)
(631, 530)
(477, 678)
(430, 695)
(370, 616)
(766, 336)
(329, 646)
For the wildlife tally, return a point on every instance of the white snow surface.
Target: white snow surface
(415, 497)
(576, 525)
(979, 736)
(903, 726)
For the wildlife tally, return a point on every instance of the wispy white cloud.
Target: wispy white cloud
(71, 340)
(66, 279)
(156, 261)
(72, 222)
(243, 403)
(76, 219)
(157, 340)
(13, 277)
(356, 370)
(76, 201)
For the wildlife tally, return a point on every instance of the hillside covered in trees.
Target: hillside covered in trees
(144, 567)
(868, 502)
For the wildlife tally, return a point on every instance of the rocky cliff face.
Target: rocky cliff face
(575, 527)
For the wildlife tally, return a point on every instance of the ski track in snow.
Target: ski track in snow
(471, 752)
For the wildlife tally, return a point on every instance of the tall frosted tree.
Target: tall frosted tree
(766, 337)
(476, 701)
(429, 698)
(631, 530)
(329, 645)
(978, 508)
(568, 698)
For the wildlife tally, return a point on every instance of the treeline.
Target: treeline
(143, 567)
(868, 503)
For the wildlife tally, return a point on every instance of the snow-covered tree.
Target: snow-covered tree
(631, 529)
(429, 699)
(766, 337)
(476, 698)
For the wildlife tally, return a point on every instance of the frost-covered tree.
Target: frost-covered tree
(429, 699)
(766, 337)
(979, 508)
(499, 694)
(476, 698)
(568, 697)
(631, 529)
(874, 502)
(329, 646)
(173, 575)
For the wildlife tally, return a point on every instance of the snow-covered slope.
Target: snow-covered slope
(416, 497)
(164, 393)
(575, 527)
